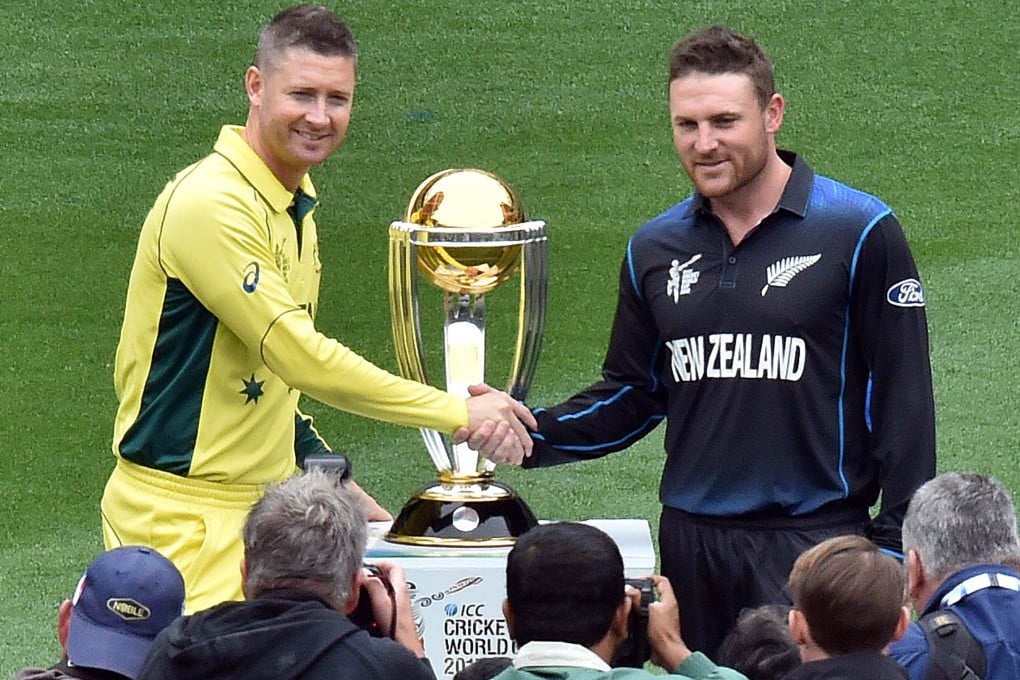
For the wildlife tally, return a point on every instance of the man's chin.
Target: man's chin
(713, 188)
(313, 156)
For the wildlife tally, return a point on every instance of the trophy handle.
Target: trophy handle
(407, 328)
(531, 311)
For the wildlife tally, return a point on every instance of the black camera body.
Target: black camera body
(635, 651)
(363, 616)
(335, 463)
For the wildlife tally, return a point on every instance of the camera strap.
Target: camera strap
(953, 653)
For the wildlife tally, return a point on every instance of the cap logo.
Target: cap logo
(128, 609)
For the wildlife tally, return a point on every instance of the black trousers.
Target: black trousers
(720, 565)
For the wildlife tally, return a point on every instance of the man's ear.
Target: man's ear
(902, 624)
(620, 627)
(64, 623)
(798, 627)
(508, 614)
(774, 110)
(253, 84)
(915, 576)
(355, 593)
(244, 578)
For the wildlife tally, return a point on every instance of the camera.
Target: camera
(635, 650)
(334, 463)
(363, 616)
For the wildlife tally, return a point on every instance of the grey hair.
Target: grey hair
(307, 532)
(961, 518)
(309, 27)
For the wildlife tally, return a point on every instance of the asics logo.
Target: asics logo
(250, 280)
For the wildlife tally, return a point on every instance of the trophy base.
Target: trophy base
(462, 511)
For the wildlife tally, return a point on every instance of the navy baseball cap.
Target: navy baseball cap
(124, 599)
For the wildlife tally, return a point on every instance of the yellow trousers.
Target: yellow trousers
(196, 524)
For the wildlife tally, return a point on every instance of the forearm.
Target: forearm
(334, 374)
(605, 418)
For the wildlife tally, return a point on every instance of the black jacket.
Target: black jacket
(279, 635)
(859, 666)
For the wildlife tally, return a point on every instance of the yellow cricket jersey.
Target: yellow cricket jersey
(218, 340)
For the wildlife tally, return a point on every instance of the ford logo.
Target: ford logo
(906, 293)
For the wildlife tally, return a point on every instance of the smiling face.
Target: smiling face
(724, 136)
(300, 110)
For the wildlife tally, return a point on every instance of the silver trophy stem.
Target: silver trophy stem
(464, 340)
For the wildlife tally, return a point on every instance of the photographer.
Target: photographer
(569, 611)
(302, 576)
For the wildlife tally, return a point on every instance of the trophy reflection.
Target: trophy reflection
(465, 231)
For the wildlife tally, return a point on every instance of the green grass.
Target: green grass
(102, 101)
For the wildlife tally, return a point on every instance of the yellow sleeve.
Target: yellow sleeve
(327, 370)
(221, 247)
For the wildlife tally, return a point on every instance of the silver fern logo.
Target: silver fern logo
(782, 272)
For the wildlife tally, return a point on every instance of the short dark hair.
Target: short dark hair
(850, 594)
(484, 669)
(716, 50)
(564, 582)
(309, 27)
(760, 644)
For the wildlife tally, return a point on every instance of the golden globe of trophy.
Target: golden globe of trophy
(465, 231)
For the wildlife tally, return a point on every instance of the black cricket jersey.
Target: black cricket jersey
(792, 369)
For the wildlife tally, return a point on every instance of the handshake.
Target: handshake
(497, 426)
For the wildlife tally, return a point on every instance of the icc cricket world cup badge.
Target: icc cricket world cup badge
(465, 231)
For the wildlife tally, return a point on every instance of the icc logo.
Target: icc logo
(472, 609)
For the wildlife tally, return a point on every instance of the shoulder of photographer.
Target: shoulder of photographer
(669, 650)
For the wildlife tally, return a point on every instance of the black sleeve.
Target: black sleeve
(618, 410)
(893, 336)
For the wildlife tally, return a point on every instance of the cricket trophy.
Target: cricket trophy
(465, 231)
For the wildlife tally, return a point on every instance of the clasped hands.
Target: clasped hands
(497, 426)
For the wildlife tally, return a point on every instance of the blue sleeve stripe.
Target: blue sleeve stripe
(892, 553)
(637, 291)
(635, 434)
(846, 347)
(867, 403)
(595, 407)
(633, 274)
(655, 358)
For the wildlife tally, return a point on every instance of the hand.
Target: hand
(373, 511)
(668, 647)
(497, 426)
(383, 604)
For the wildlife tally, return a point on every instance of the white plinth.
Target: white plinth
(457, 593)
